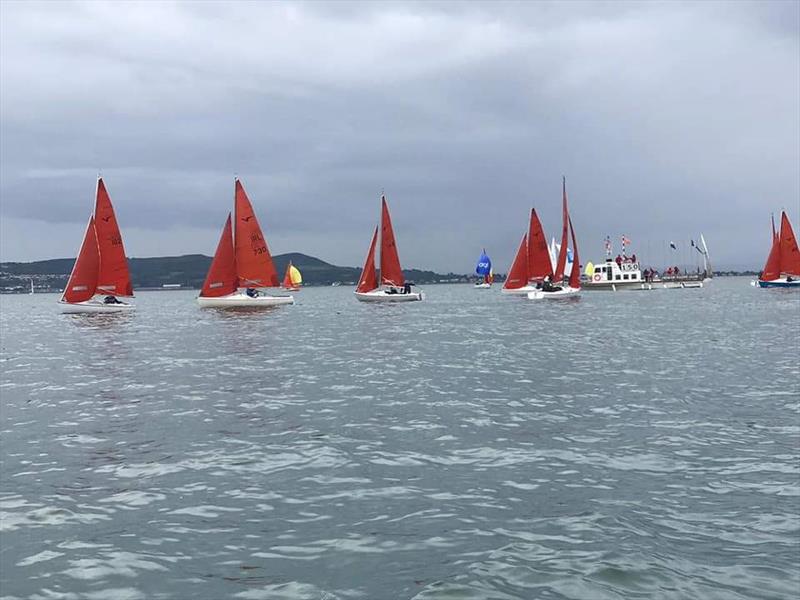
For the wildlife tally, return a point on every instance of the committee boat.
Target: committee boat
(100, 274)
(484, 270)
(392, 286)
(782, 269)
(242, 263)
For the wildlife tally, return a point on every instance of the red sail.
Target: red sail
(113, 277)
(287, 277)
(539, 265)
(518, 274)
(253, 260)
(368, 280)
(561, 263)
(221, 279)
(391, 272)
(575, 272)
(82, 281)
(790, 255)
(772, 268)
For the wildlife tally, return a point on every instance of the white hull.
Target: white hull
(618, 286)
(523, 291)
(781, 282)
(483, 286)
(240, 299)
(679, 285)
(384, 296)
(93, 307)
(565, 292)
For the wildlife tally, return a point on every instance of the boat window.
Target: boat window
(625, 276)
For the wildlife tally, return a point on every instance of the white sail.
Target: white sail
(706, 259)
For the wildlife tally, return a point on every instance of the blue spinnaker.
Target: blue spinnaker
(484, 264)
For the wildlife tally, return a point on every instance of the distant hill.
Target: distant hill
(188, 271)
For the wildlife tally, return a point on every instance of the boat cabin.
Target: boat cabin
(626, 271)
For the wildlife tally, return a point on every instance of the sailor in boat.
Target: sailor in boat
(111, 300)
(391, 290)
(252, 292)
(407, 287)
(547, 285)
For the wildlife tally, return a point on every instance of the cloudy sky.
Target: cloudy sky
(668, 119)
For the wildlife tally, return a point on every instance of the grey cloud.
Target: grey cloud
(667, 118)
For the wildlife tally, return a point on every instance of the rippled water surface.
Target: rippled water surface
(630, 445)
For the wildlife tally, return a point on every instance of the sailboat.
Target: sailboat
(554, 288)
(782, 268)
(532, 264)
(101, 268)
(31, 292)
(484, 269)
(392, 286)
(241, 261)
(292, 278)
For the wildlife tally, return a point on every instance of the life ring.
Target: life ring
(597, 277)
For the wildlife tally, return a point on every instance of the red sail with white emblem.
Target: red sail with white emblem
(391, 272)
(113, 277)
(253, 260)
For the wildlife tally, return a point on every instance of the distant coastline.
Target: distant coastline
(189, 271)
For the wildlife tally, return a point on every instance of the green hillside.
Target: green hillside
(188, 271)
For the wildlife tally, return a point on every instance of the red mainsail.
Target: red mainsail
(253, 260)
(539, 265)
(113, 276)
(790, 255)
(561, 263)
(368, 280)
(221, 279)
(518, 274)
(82, 281)
(287, 277)
(575, 272)
(391, 272)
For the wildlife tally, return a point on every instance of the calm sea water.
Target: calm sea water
(630, 445)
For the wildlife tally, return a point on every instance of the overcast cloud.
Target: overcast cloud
(668, 119)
